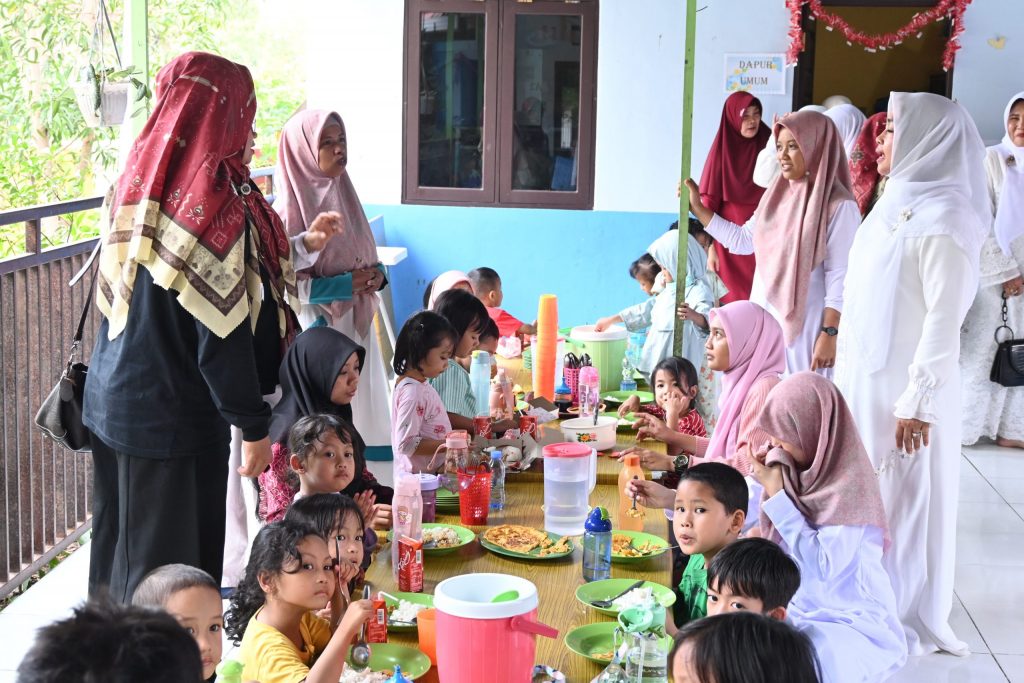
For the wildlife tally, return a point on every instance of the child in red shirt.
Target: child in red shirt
(487, 287)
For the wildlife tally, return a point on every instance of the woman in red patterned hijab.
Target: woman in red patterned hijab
(864, 162)
(180, 207)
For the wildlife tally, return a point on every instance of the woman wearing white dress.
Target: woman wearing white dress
(913, 274)
(801, 234)
(991, 410)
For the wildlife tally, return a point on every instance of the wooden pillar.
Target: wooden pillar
(684, 170)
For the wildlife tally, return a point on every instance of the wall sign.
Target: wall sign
(757, 73)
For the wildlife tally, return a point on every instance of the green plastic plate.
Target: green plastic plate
(416, 599)
(465, 535)
(532, 555)
(609, 588)
(621, 396)
(639, 538)
(592, 639)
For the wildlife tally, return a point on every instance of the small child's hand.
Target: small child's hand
(380, 518)
(357, 613)
(604, 323)
(630, 405)
(676, 403)
(344, 572)
(365, 501)
(650, 494)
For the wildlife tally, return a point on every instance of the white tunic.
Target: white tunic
(845, 603)
(991, 410)
(825, 289)
(659, 312)
(920, 379)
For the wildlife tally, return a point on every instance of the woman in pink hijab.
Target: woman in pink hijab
(800, 235)
(340, 291)
(822, 504)
(745, 345)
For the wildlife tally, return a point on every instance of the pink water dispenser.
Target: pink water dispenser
(482, 640)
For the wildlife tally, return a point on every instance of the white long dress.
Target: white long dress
(825, 289)
(991, 410)
(920, 379)
(845, 603)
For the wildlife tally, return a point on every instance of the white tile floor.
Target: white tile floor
(988, 611)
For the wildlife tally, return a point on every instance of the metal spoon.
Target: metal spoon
(605, 604)
(360, 656)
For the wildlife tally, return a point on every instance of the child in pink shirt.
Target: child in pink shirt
(419, 422)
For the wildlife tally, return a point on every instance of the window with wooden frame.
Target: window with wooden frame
(499, 103)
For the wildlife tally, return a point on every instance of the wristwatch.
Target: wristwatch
(830, 331)
(681, 462)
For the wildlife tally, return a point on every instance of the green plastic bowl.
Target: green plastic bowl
(384, 656)
(592, 639)
(465, 535)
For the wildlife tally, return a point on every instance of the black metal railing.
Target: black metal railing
(45, 491)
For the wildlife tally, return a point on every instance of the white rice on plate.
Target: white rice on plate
(406, 612)
(366, 676)
(638, 597)
(440, 537)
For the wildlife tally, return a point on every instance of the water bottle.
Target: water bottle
(597, 545)
(480, 381)
(627, 383)
(497, 481)
(589, 391)
(407, 509)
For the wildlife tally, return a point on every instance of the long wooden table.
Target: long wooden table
(556, 580)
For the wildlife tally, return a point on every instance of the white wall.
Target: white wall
(354, 66)
(355, 57)
(984, 78)
(639, 90)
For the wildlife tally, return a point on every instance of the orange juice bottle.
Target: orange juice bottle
(630, 519)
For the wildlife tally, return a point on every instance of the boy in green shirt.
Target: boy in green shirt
(708, 514)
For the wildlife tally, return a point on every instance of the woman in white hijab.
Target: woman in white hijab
(849, 120)
(991, 410)
(912, 275)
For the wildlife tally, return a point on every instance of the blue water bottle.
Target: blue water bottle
(597, 545)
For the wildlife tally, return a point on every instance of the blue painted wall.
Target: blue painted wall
(581, 256)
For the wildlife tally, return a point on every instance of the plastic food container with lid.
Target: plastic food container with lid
(481, 640)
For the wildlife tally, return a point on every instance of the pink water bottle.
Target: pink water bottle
(407, 508)
(589, 391)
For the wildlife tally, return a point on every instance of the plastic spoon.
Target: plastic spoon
(360, 656)
(507, 596)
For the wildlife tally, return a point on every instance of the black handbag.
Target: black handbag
(1008, 366)
(60, 415)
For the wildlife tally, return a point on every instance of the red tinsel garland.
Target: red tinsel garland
(943, 9)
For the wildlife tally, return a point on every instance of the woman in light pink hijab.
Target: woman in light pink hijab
(340, 291)
(801, 235)
(745, 344)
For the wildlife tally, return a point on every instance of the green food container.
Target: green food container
(606, 350)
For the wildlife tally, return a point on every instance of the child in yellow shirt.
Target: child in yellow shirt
(290, 575)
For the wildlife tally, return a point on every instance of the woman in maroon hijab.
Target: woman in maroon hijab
(727, 186)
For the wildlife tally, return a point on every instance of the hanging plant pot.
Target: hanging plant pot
(104, 97)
